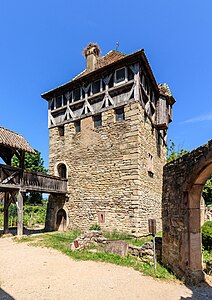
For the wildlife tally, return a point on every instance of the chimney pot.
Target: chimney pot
(91, 53)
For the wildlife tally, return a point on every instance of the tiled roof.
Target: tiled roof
(14, 140)
(109, 58)
(103, 61)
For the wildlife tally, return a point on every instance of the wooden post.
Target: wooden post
(152, 230)
(6, 217)
(19, 204)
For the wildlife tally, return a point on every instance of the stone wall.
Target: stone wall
(183, 181)
(108, 178)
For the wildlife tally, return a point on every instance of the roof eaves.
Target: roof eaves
(84, 74)
(11, 139)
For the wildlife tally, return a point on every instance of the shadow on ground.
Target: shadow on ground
(5, 296)
(202, 291)
(26, 231)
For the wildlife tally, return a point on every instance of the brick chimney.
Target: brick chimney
(91, 53)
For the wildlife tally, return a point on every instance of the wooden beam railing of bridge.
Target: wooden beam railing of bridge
(12, 178)
(15, 181)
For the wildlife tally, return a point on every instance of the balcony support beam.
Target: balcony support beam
(19, 204)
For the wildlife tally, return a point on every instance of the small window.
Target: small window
(64, 100)
(150, 165)
(110, 84)
(59, 101)
(83, 93)
(61, 130)
(77, 126)
(120, 75)
(96, 87)
(130, 74)
(120, 114)
(61, 168)
(76, 94)
(101, 217)
(97, 120)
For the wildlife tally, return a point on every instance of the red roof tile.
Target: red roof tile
(109, 58)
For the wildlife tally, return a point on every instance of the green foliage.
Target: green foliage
(31, 215)
(60, 241)
(207, 235)
(95, 227)
(173, 153)
(33, 162)
(129, 238)
(207, 191)
(207, 255)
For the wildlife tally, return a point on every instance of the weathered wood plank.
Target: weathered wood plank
(19, 204)
(12, 178)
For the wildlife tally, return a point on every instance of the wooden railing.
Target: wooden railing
(12, 178)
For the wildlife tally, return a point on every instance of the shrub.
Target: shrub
(95, 227)
(207, 235)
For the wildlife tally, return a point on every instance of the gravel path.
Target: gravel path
(28, 272)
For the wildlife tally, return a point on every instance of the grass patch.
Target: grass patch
(129, 238)
(61, 241)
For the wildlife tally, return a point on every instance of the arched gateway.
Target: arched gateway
(183, 182)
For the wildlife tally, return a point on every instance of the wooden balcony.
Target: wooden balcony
(12, 179)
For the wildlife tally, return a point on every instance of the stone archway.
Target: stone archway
(61, 220)
(183, 182)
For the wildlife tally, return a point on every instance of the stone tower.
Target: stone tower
(108, 137)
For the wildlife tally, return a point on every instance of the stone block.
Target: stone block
(117, 247)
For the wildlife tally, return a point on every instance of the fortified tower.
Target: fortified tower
(108, 137)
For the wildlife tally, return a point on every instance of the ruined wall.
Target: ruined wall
(108, 179)
(183, 181)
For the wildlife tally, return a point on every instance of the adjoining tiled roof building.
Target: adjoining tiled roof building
(108, 130)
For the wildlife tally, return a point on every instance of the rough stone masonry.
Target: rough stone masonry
(114, 170)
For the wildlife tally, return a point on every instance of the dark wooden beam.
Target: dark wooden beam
(7, 202)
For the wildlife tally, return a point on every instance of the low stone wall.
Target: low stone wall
(119, 247)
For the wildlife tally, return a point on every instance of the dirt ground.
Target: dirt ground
(28, 272)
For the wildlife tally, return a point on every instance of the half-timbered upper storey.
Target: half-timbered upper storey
(110, 81)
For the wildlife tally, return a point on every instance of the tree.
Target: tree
(173, 154)
(33, 162)
(207, 191)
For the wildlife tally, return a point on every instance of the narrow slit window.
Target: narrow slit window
(150, 165)
(120, 114)
(101, 217)
(61, 130)
(59, 101)
(77, 126)
(96, 87)
(76, 94)
(97, 120)
(64, 100)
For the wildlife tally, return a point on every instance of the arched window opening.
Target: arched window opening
(62, 172)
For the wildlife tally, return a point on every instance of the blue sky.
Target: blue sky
(41, 47)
